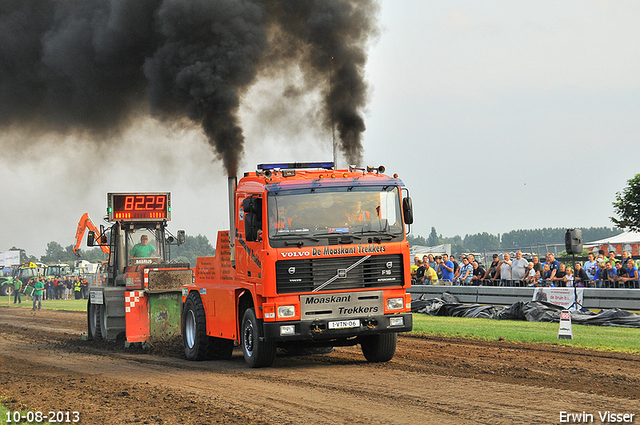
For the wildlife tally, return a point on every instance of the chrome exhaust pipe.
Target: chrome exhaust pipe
(232, 185)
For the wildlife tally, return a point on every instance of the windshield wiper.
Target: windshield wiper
(379, 233)
(338, 235)
(294, 236)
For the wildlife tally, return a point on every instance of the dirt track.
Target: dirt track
(430, 381)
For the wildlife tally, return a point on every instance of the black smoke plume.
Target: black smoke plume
(94, 66)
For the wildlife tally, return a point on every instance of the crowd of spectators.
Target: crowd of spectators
(65, 288)
(601, 271)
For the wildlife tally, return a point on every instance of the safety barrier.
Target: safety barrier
(594, 298)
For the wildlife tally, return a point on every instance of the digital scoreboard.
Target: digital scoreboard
(139, 206)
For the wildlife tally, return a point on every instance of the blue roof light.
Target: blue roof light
(293, 165)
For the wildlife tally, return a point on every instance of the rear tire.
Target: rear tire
(197, 344)
(379, 348)
(97, 327)
(101, 322)
(91, 321)
(256, 351)
(194, 329)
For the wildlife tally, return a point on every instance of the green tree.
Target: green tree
(433, 239)
(93, 255)
(416, 240)
(481, 241)
(192, 248)
(627, 206)
(53, 253)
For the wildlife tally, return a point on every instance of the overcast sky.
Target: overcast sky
(496, 115)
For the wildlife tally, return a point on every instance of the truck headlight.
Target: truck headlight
(396, 321)
(286, 311)
(287, 330)
(395, 303)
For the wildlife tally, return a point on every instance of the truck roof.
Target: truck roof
(274, 180)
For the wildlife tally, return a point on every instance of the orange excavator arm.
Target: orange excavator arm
(84, 224)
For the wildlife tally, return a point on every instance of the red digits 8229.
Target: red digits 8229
(128, 203)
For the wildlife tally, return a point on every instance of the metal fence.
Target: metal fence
(594, 298)
(520, 284)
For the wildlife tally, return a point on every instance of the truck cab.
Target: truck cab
(57, 270)
(314, 258)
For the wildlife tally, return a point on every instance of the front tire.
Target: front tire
(379, 348)
(256, 351)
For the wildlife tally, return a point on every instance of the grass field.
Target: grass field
(73, 305)
(608, 338)
(591, 337)
(8, 416)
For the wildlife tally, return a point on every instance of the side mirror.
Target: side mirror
(103, 236)
(251, 226)
(91, 238)
(407, 209)
(181, 237)
(252, 205)
(247, 205)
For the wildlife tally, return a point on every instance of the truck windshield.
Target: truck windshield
(57, 270)
(368, 210)
(145, 243)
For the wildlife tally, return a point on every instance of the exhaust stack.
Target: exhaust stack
(232, 184)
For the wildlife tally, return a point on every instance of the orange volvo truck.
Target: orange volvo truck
(318, 258)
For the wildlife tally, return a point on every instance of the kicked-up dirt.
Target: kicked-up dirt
(46, 366)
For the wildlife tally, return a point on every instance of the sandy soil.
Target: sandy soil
(45, 365)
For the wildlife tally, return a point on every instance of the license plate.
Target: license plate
(344, 324)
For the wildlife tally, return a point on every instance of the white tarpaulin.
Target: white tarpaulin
(626, 238)
(10, 258)
(419, 250)
(627, 241)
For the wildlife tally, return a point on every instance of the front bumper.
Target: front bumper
(318, 330)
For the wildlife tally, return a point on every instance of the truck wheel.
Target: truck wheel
(94, 319)
(194, 329)
(91, 321)
(101, 323)
(379, 348)
(256, 351)
(7, 290)
(197, 344)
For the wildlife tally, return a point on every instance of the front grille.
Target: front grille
(305, 275)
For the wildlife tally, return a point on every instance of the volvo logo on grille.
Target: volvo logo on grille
(342, 273)
(292, 270)
(389, 264)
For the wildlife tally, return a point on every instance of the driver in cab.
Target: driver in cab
(358, 215)
(280, 221)
(143, 249)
